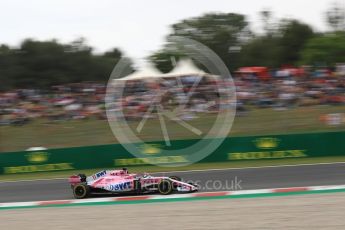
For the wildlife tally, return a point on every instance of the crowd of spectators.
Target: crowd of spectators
(62, 102)
(280, 89)
(186, 95)
(291, 87)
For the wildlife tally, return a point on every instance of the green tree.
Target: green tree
(45, 63)
(325, 49)
(261, 51)
(220, 32)
(279, 45)
(165, 59)
(294, 35)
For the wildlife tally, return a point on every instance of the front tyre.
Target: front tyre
(81, 191)
(165, 187)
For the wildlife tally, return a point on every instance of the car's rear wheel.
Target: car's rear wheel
(81, 191)
(165, 187)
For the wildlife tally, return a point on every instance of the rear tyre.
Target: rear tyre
(81, 191)
(165, 187)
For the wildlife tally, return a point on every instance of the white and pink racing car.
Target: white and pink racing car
(121, 181)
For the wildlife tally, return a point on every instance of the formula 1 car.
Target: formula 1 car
(121, 181)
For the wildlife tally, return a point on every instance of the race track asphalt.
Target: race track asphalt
(213, 180)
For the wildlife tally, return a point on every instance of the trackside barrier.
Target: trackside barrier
(232, 149)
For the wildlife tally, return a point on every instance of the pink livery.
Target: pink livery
(123, 182)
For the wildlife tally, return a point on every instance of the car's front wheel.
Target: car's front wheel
(81, 191)
(165, 187)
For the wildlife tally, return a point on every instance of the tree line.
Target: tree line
(41, 64)
(282, 42)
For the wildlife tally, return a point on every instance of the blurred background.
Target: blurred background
(289, 77)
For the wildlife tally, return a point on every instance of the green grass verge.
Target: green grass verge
(198, 166)
(97, 132)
